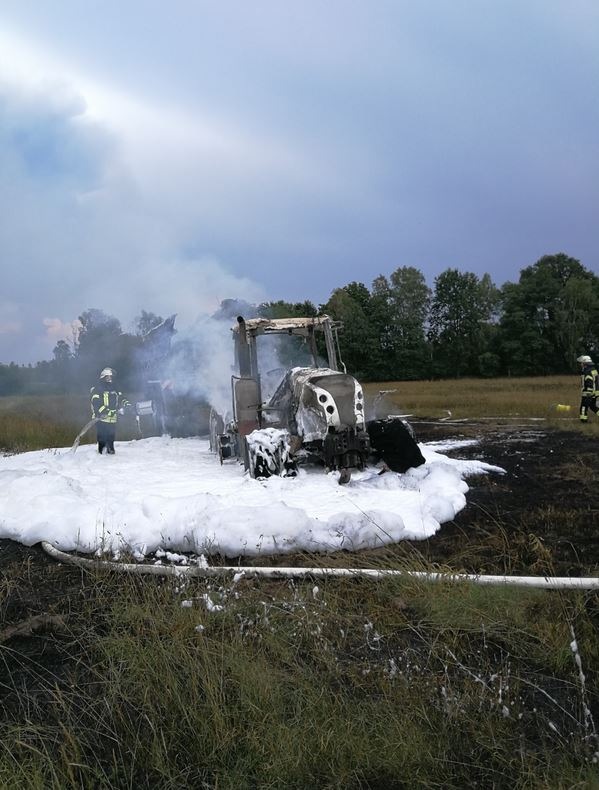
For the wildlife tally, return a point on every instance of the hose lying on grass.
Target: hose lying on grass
(547, 582)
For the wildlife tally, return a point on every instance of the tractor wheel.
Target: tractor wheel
(393, 441)
(344, 476)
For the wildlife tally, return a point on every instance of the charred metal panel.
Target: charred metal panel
(341, 388)
(330, 344)
(246, 404)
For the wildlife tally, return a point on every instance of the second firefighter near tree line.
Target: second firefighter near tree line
(589, 387)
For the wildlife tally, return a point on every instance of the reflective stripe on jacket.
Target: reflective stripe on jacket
(106, 402)
(590, 381)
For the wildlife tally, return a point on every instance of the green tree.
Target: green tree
(62, 352)
(282, 309)
(406, 298)
(357, 341)
(577, 318)
(461, 308)
(99, 344)
(550, 316)
(97, 329)
(145, 322)
(61, 369)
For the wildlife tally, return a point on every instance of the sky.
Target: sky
(166, 156)
(190, 503)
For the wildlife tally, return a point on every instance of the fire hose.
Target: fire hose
(248, 571)
(82, 433)
(89, 425)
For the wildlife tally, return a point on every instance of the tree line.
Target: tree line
(398, 329)
(75, 366)
(401, 329)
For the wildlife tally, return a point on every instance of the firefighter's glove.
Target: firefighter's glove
(122, 410)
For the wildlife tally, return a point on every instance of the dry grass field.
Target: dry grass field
(109, 681)
(505, 398)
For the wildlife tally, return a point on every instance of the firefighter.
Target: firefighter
(590, 387)
(107, 403)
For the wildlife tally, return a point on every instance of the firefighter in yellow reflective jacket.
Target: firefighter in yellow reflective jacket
(107, 403)
(590, 387)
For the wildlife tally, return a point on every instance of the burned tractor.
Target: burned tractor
(316, 413)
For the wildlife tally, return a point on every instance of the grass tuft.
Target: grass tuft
(353, 684)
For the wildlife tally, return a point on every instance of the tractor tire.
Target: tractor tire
(344, 476)
(393, 441)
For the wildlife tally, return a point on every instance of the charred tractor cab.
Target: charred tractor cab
(316, 413)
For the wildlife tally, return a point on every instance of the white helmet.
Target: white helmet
(107, 373)
(585, 360)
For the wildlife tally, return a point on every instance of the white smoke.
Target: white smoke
(202, 361)
(85, 231)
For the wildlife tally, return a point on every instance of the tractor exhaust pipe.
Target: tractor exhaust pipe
(243, 349)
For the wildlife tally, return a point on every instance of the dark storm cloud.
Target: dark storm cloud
(299, 146)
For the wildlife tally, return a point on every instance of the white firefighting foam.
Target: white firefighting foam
(172, 494)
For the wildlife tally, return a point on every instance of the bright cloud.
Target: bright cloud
(279, 150)
(58, 330)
